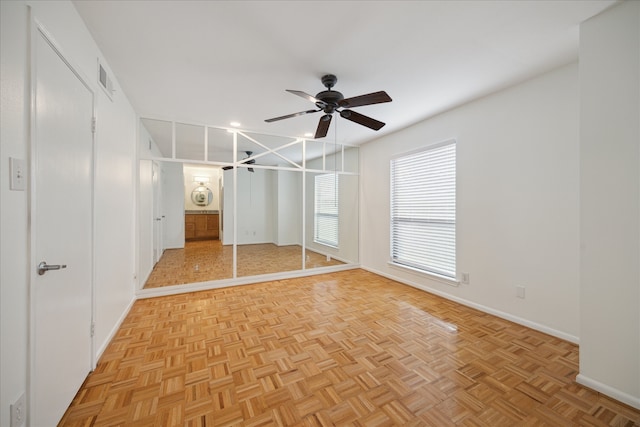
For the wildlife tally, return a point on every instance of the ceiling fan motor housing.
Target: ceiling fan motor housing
(329, 100)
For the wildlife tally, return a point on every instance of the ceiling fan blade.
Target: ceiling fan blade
(368, 99)
(361, 119)
(303, 95)
(288, 116)
(323, 126)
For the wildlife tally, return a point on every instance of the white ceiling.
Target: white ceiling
(213, 62)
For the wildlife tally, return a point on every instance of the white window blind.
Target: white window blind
(326, 210)
(423, 210)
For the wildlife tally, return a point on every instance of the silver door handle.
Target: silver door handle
(43, 267)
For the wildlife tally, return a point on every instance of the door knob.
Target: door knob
(43, 267)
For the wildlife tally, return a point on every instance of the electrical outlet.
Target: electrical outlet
(19, 412)
(520, 291)
(464, 278)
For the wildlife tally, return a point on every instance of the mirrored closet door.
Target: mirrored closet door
(219, 205)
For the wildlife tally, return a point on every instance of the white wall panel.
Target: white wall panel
(114, 186)
(517, 201)
(610, 202)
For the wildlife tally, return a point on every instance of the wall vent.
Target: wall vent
(105, 81)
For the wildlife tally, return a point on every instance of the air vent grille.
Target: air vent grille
(105, 81)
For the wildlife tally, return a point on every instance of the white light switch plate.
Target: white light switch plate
(18, 181)
(18, 412)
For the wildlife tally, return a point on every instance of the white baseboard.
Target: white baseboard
(614, 393)
(325, 254)
(248, 280)
(114, 330)
(173, 247)
(510, 317)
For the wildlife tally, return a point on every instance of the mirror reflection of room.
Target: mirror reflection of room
(189, 219)
(190, 227)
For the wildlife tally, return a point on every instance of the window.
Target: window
(423, 210)
(326, 210)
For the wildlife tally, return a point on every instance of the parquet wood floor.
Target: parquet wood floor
(349, 348)
(206, 260)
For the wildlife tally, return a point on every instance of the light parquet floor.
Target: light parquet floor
(206, 260)
(349, 348)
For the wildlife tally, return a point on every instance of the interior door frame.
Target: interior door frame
(37, 29)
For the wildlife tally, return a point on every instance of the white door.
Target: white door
(158, 244)
(61, 230)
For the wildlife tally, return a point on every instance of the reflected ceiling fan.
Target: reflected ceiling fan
(331, 101)
(246, 162)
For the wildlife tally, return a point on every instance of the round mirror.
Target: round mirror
(201, 196)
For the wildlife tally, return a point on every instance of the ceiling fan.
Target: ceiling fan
(246, 162)
(330, 101)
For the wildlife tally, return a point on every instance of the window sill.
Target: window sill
(326, 244)
(433, 276)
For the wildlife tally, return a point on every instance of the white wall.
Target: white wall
(610, 202)
(288, 205)
(145, 221)
(114, 186)
(269, 207)
(14, 106)
(255, 207)
(517, 201)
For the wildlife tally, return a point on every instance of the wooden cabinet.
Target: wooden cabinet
(201, 227)
(189, 227)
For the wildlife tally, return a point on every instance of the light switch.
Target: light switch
(18, 181)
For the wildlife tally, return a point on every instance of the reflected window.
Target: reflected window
(326, 210)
